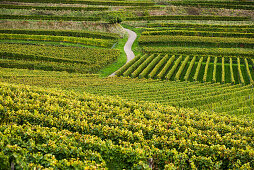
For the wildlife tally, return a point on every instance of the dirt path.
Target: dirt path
(127, 48)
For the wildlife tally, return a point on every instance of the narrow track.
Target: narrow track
(127, 48)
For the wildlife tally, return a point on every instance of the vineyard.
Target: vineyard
(194, 52)
(126, 84)
(232, 70)
(76, 131)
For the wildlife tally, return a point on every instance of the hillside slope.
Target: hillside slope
(53, 129)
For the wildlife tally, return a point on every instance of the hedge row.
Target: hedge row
(187, 17)
(186, 25)
(206, 68)
(167, 39)
(173, 69)
(188, 72)
(199, 33)
(135, 65)
(142, 66)
(85, 41)
(201, 51)
(240, 71)
(231, 71)
(223, 69)
(159, 66)
(248, 70)
(46, 17)
(92, 2)
(214, 69)
(8, 6)
(96, 58)
(236, 2)
(87, 34)
(207, 29)
(213, 5)
(180, 70)
(127, 65)
(150, 66)
(166, 67)
(195, 78)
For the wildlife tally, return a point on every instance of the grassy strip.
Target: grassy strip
(122, 58)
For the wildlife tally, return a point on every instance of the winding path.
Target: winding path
(127, 48)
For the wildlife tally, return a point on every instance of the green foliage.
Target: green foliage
(134, 66)
(241, 52)
(83, 60)
(92, 2)
(72, 33)
(113, 17)
(206, 68)
(166, 67)
(190, 40)
(231, 71)
(192, 32)
(80, 40)
(172, 70)
(58, 129)
(46, 17)
(223, 70)
(158, 66)
(180, 70)
(150, 66)
(248, 70)
(187, 17)
(195, 78)
(214, 69)
(205, 27)
(127, 65)
(240, 71)
(10, 6)
(246, 5)
(142, 66)
(187, 75)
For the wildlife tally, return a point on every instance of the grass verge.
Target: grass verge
(122, 58)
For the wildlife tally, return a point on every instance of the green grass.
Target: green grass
(122, 58)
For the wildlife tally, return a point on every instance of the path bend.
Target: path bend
(127, 47)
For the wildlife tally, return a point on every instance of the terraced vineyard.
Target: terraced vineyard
(186, 101)
(191, 68)
(87, 131)
(195, 52)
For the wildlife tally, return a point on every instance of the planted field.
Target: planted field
(186, 101)
(55, 58)
(230, 99)
(188, 68)
(246, 5)
(87, 131)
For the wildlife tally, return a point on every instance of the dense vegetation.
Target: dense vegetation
(186, 101)
(44, 129)
(70, 59)
(185, 68)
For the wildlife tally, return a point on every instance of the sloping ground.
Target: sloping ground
(54, 129)
(213, 97)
